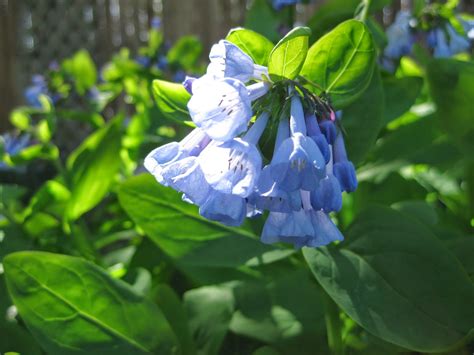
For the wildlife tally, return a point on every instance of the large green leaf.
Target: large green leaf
(82, 68)
(272, 313)
(450, 82)
(254, 44)
(398, 281)
(174, 311)
(288, 56)
(73, 307)
(362, 120)
(261, 18)
(92, 167)
(209, 310)
(342, 62)
(333, 12)
(172, 100)
(400, 95)
(185, 53)
(194, 243)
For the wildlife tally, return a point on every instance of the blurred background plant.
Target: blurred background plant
(71, 184)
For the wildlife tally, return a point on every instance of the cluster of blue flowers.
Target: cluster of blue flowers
(443, 41)
(38, 87)
(280, 4)
(220, 168)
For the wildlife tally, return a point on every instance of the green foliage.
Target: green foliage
(72, 306)
(450, 83)
(287, 57)
(254, 44)
(363, 119)
(82, 68)
(92, 168)
(185, 53)
(172, 100)
(390, 276)
(163, 280)
(342, 62)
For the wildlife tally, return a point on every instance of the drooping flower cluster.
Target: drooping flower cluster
(220, 168)
(442, 40)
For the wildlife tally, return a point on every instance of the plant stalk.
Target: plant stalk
(333, 325)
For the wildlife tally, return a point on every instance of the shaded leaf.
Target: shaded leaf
(395, 278)
(342, 62)
(73, 307)
(289, 54)
(254, 44)
(172, 100)
(91, 168)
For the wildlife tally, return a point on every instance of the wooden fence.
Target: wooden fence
(35, 32)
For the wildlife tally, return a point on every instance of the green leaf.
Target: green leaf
(261, 18)
(288, 56)
(72, 306)
(83, 70)
(362, 120)
(15, 340)
(254, 44)
(329, 15)
(463, 249)
(272, 313)
(92, 167)
(185, 53)
(397, 280)
(21, 119)
(421, 210)
(209, 310)
(174, 311)
(198, 246)
(400, 95)
(342, 62)
(450, 82)
(172, 100)
(332, 13)
(36, 151)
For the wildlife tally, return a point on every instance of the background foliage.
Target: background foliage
(98, 258)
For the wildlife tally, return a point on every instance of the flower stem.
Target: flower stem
(333, 325)
(365, 10)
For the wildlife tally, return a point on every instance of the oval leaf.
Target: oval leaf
(398, 281)
(72, 306)
(342, 62)
(288, 56)
(92, 168)
(172, 100)
(254, 44)
(450, 82)
(362, 120)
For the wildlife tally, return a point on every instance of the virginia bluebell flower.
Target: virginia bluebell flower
(315, 133)
(400, 37)
(327, 195)
(447, 42)
(188, 83)
(155, 23)
(329, 130)
(234, 166)
(13, 145)
(229, 61)
(38, 87)
(159, 158)
(343, 169)
(306, 227)
(222, 108)
(298, 163)
(280, 4)
(219, 167)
